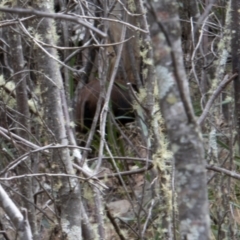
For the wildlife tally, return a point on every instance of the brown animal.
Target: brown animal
(88, 96)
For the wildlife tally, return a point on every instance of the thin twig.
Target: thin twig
(104, 111)
(224, 171)
(42, 175)
(54, 16)
(209, 104)
(74, 18)
(112, 220)
(148, 218)
(39, 44)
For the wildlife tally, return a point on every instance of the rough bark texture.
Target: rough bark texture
(67, 190)
(183, 132)
(19, 77)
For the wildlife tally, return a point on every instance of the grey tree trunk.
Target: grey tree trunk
(66, 190)
(20, 76)
(183, 132)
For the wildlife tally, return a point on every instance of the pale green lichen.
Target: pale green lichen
(144, 55)
(165, 82)
(72, 232)
(145, 73)
(131, 6)
(10, 85)
(161, 160)
(32, 105)
(213, 145)
(142, 95)
(5, 89)
(171, 99)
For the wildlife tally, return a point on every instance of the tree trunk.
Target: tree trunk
(20, 76)
(183, 132)
(66, 190)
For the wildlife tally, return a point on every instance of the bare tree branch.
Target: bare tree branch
(19, 220)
